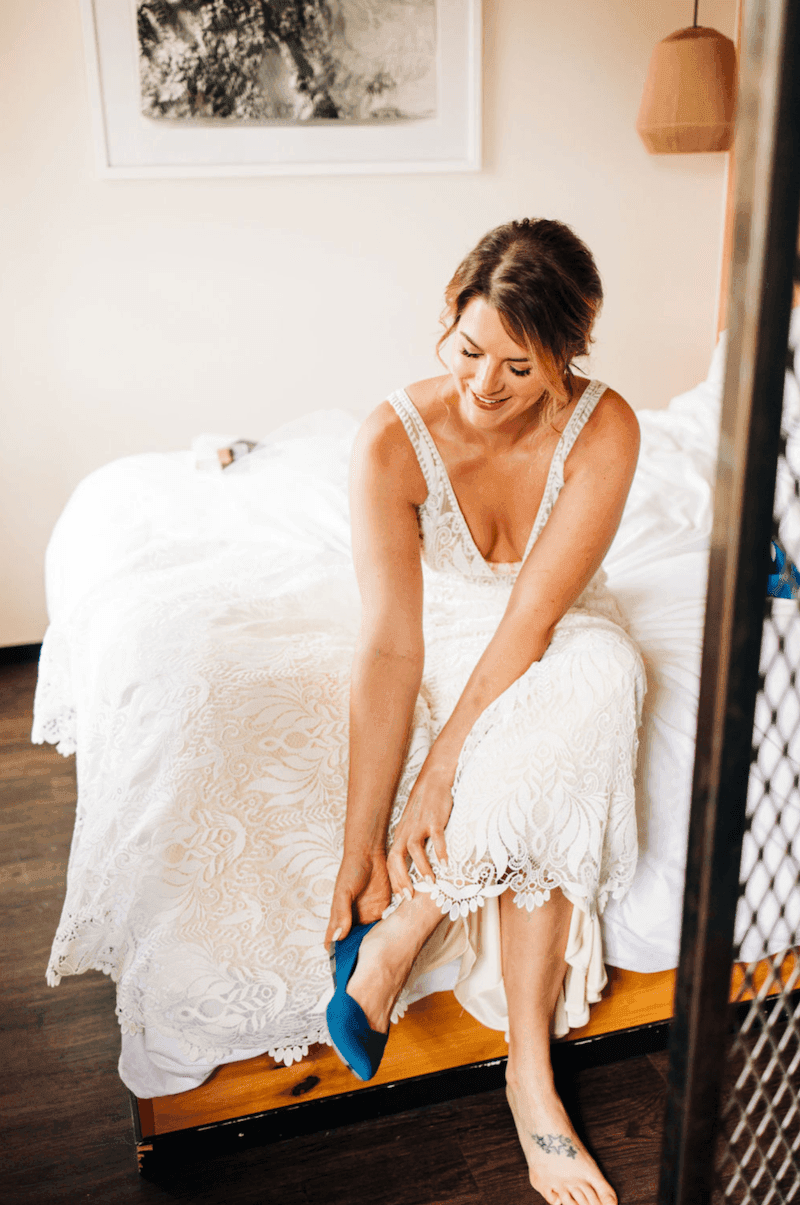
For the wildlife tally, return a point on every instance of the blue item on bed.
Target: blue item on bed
(784, 580)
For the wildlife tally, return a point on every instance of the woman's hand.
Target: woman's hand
(425, 816)
(362, 892)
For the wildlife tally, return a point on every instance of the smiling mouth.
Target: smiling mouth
(488, 401)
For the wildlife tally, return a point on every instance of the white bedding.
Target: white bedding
(287, 503)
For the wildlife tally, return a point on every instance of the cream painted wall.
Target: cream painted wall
(135, 314)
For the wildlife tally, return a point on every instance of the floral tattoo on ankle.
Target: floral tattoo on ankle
(556, 1144)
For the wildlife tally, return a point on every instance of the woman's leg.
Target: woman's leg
(533, 946)
(387, 954)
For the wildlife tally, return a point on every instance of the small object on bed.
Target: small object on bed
(238, 449)
(784, 578)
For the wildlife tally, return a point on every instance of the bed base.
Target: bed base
(291, 1121)
(436, 1053)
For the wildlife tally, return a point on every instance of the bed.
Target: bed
(163, 575)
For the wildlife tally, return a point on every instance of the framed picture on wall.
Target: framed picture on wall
(283, 87)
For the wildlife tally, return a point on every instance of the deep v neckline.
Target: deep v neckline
(456, 505)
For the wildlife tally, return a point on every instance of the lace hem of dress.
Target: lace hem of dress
(55, 720)
(288, 1043)
(58, 727)
(461, 892)
(290, 1048)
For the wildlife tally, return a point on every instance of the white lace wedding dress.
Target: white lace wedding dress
(210, 721)
(544, 791)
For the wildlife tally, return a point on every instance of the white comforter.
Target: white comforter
(135, 528)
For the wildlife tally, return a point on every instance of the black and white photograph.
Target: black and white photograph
(287, 60)
(193, 88)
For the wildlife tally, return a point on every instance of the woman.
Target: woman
(493, 726)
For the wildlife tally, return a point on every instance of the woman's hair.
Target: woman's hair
(544, 284)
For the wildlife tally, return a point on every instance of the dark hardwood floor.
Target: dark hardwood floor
(66, 1130)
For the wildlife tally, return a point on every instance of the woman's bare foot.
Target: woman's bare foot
(386, 956)
(560, 1167)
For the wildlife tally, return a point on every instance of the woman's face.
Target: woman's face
(495, 378)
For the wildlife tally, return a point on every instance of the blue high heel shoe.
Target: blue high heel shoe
(359, 1047)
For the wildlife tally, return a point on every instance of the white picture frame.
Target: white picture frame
(130, 146)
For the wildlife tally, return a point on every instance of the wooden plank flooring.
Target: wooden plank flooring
(64, 1113)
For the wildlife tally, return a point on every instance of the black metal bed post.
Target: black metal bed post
(767, 156)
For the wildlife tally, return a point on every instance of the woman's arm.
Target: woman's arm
(565, 557)
(386, 487)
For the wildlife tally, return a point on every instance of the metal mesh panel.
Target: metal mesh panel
(758, 1153)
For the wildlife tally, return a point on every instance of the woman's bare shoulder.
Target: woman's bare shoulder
(383, 435)
(613, 418)
(382, 444)
(611, 434)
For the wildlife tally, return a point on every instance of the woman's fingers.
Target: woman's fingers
(439, 846)
(398, 871)
(372, 906)
(416, 848)
(341, 918)
(337, 935)
(335, 932)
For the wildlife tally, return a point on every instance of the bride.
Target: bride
(495, 697)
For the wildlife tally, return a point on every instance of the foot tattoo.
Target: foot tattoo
(556, 1144)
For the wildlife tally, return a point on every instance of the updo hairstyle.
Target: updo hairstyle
(544, 284)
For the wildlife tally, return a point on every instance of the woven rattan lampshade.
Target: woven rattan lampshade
(690, 93)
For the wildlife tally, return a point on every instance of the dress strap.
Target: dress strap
(420, 437)
(580, 416)
(555, 477)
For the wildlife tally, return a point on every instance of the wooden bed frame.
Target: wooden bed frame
(437, 1052)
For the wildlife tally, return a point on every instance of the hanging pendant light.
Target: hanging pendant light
(690, 93)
